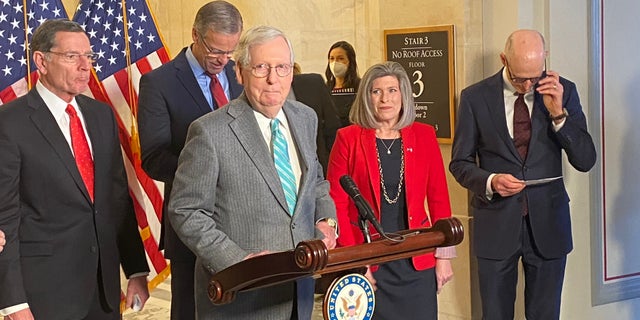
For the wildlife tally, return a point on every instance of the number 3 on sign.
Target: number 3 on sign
(418, 81)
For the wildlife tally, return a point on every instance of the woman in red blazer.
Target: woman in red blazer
(397, 165)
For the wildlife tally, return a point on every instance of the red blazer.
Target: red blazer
(354, 153)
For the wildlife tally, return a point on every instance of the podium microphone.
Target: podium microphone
(364, 209)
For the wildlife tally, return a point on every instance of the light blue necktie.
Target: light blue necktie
(283, 164)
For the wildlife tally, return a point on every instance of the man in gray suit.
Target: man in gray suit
(228, 203)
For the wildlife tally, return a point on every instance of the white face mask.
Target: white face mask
(338, 69)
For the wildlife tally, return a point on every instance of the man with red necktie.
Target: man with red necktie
(65, 209)
(513, 127)
(201, 78)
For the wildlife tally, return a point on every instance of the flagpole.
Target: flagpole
(26, 42)
(135, 138)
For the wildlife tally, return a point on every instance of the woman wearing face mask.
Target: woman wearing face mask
(342, 78)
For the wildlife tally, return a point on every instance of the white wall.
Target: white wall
(569, 39)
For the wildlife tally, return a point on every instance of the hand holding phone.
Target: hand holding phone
(551, 90)
(137, 303)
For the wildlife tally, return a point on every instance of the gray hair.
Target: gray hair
(362, 112)
(257, 36)
(44, 38)
(218, 16)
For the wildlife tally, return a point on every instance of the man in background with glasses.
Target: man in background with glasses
(511, 130)
(249, 183)
(65, 208)
(201, 78)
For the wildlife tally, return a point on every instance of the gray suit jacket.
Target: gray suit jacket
(227, 202)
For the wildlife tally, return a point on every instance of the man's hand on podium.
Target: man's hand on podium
(329, 232)
(257, 254)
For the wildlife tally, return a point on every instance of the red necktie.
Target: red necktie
(217, 92)
(521, 126)
(81, 149)
(521, 136)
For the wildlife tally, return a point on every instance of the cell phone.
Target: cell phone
(137, 303)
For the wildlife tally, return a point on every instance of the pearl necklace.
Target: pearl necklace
(388, 147)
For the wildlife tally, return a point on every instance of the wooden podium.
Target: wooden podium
(311, 258)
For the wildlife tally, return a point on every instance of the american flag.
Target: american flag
(15, 63)
(118, 69)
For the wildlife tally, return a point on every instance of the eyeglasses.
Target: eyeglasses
(73, 57)
(262, 70)
(533, 80)
(215, 53)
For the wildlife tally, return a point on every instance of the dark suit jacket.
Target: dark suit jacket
(170, 99)
(59, 242)
(482, 146)
(309, 88)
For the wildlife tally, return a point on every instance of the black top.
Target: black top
(343, 99)
(393, 216)
(403, 292)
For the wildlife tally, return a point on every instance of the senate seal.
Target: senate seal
(350, 297)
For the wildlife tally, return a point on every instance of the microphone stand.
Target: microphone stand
(364, 226)
(364, 223)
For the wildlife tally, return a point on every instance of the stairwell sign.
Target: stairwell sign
(427, 54)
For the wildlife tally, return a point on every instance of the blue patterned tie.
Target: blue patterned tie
(283, 164)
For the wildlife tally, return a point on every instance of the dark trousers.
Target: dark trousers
(543, 282)
(99, 308)
(303, 304)
(183, 303)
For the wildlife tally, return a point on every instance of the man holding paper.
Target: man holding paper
(512, 128)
